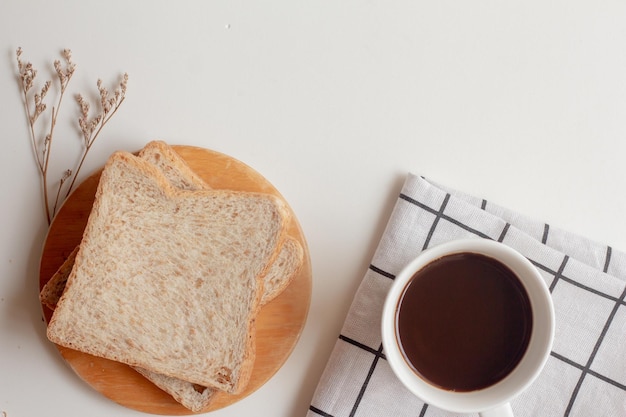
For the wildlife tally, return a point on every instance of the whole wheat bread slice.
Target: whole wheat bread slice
(54, 288)
(172, 165)
(278, 277)
(192, 396)
(167, 280)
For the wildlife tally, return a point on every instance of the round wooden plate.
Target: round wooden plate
(279, 323)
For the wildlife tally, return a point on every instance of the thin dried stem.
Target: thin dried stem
(27, 76)
(64, 76)
(91, 128)
(67, 174)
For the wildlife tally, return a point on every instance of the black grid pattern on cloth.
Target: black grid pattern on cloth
(558, 278)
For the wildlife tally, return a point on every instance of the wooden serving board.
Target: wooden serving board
(279, 323)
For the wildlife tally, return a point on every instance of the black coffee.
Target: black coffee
(464, 322)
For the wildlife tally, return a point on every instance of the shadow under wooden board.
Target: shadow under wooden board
(279, 323)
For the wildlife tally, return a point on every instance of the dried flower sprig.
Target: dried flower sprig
(35, 106)
(91, 128)
(42, 147)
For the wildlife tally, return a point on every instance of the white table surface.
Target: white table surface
(523, 103)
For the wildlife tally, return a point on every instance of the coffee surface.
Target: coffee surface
(464, 322)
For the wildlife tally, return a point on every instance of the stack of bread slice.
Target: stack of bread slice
(170, 275)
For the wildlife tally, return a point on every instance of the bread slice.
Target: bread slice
(167, 279)
(282, 270)
(192, 396)
(53, 290)
(173, 167)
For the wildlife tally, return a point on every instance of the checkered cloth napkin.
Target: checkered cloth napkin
(586, 372)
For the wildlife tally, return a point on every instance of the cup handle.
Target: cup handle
(503, 410)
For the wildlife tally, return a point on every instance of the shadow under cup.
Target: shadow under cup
(474, 331)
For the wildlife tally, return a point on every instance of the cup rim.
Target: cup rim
(523, 374)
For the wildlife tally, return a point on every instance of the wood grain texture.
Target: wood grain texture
(279, 324)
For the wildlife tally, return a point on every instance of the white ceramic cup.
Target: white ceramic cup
(493, 400)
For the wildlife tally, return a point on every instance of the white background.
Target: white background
(519, 102)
